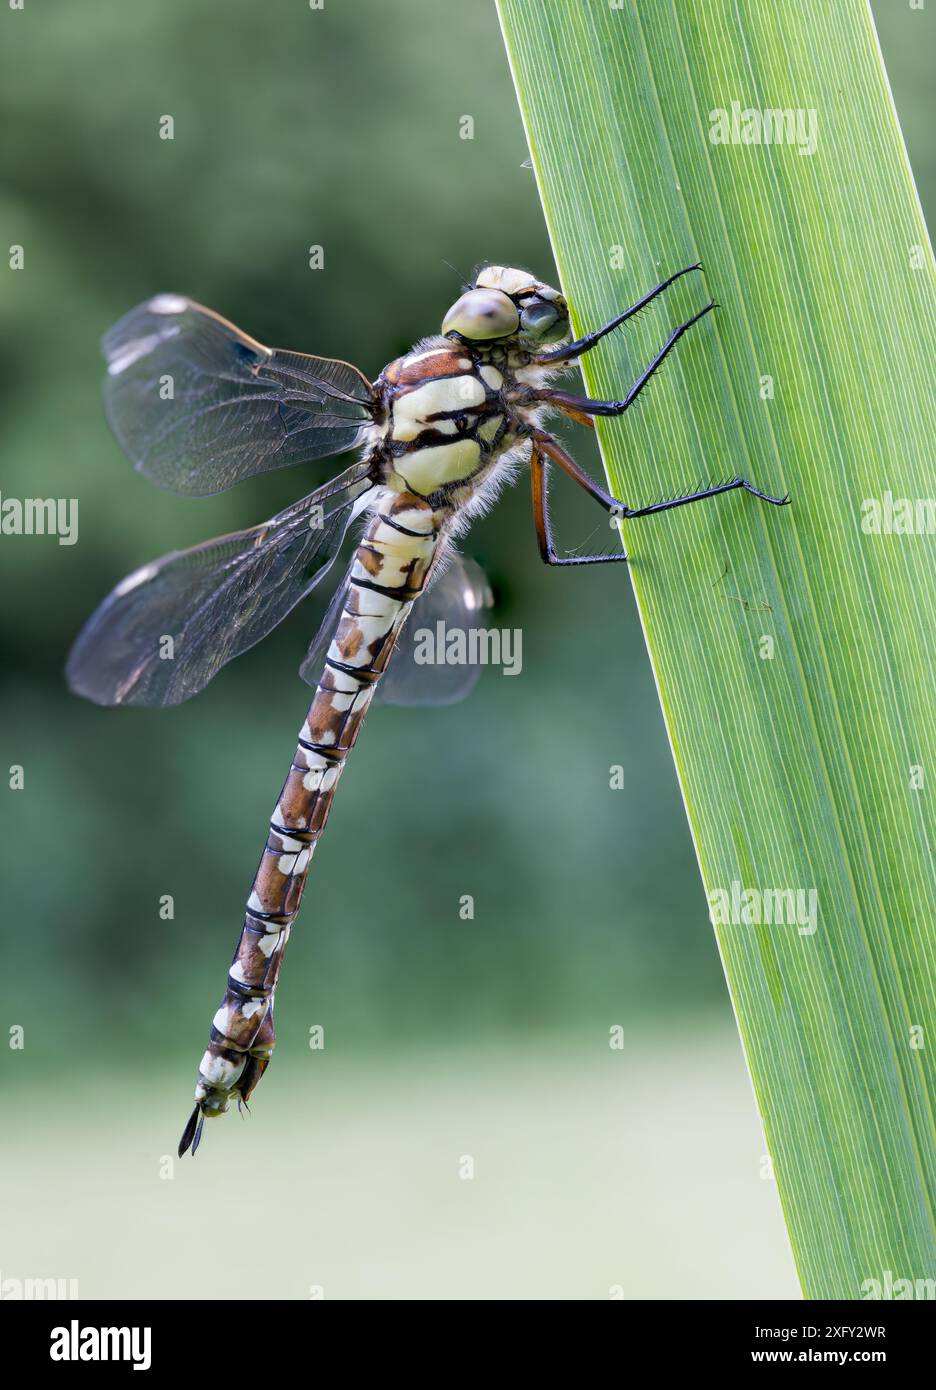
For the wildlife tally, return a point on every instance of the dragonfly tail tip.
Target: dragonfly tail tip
(191, 1135)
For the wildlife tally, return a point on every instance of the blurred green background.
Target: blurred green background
(638, 1169)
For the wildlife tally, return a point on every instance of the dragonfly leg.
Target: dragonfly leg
(544, 443)
(541, 519)
(571, 404)
(576, 406)
(586, 343)
(667, 506)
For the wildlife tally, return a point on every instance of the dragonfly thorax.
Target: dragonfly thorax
(445, 419)
(451, 407)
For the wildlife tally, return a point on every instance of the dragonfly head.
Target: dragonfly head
(504, 303)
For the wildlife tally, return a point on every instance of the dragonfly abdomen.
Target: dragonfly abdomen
(387, 573)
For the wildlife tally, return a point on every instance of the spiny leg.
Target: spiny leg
(586, 343)
(544, 443)
(576, 406)
(541, 519)
(564, 400)
(631, 513)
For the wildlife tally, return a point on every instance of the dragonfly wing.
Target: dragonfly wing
(165, 630)
(456, 604)
(460, 599)
(313, 662)
(197, 405)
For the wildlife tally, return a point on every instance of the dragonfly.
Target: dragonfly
(198, 406)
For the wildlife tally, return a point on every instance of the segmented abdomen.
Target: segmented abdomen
(388, 571)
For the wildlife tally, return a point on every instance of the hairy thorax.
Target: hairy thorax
(451, 414)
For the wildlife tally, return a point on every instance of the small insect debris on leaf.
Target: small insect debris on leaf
(746, 604)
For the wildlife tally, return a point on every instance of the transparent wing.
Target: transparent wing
(197, 405)
(459, 598)
(457, 603)
(165, 630)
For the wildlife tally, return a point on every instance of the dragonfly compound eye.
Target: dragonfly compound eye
(544, 321)
(482, 314)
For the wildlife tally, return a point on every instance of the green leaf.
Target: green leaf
(793, 648)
